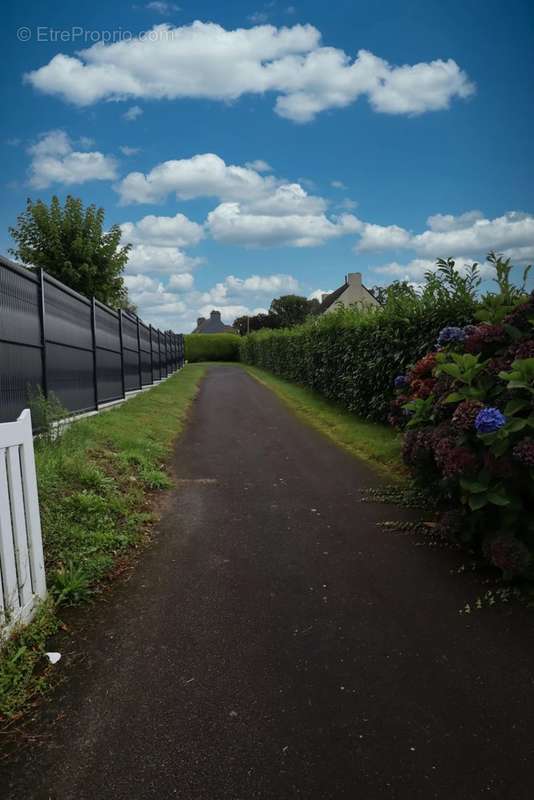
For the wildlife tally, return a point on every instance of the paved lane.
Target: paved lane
(273, 643)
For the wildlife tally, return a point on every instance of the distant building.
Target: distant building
(213, 325)
(353, 292)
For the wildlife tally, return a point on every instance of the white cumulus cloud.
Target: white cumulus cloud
(177, 231)
(230, 224)
(155, 258)
(203, 175)
(471, 234)
(204, 60)
(54, 160)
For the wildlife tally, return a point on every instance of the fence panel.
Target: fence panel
(145, 354)
(22, 574)
(108, 354)
(162, 355)
(21, 354)
(154, 344)
(69, 346)
(130, 347)
(83, 351)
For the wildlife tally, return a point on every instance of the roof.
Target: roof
(334, 296)
(331, 298)
(213, 324)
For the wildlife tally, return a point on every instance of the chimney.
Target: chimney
(354, 278)
(215, 315)
(200, 320)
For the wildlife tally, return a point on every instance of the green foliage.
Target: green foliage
(23, 669)
(291, 309)
(496, 305)
(211, 347)
(352, 355)
(248, 324)
(46, 412)
(71, 244)
(69, 585)
(468, 411)
(94, 482)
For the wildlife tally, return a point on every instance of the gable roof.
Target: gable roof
(331, 298)
(213, 324)
(334, 296)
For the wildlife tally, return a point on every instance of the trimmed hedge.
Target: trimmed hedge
(352, 357)
(211, 347)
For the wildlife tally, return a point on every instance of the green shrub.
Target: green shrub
(211, 347)
(351, 356)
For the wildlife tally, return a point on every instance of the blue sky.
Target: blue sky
(263, 148)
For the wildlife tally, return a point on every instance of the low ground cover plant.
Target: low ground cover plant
(211, 347)
(467, 410)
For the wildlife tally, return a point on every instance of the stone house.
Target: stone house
(352, 292)
(213, 325)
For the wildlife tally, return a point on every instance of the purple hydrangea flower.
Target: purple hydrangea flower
(400, 381)
(489, 420)
(450, 334)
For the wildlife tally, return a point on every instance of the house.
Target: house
(213, 325)
(352, 292)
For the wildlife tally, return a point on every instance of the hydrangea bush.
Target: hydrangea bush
(467, 412)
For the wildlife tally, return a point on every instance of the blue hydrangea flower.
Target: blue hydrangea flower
(450, 334)
(400, 381)
(489, 420)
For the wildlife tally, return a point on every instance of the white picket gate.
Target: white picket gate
(22, 572)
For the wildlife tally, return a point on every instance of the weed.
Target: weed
(69, 585)
(46, 412)
(23, 671)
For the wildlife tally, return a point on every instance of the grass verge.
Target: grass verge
(95, 485)
(370, 441)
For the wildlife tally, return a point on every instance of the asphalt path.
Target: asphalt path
(274, 643)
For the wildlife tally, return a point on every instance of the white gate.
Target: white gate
(22, 571)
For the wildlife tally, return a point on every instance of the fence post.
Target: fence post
(139, 353)
(93, 329)
(42, 319)
(122, 354)
(151, 358)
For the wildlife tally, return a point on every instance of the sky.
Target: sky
(252, 149)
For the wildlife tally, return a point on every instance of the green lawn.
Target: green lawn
(94, 492)
(375, 443)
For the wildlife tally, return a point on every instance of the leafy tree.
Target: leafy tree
(291, 309)
(70, 243)
(247, 324)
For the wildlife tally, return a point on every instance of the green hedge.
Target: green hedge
(351, 356)
(212, 347)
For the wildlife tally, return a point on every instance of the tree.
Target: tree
(291, 309)
(69, 242)
(247, 324)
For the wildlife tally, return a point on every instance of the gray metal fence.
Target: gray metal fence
(83, 351)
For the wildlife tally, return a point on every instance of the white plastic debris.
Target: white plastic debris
(53, 657)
